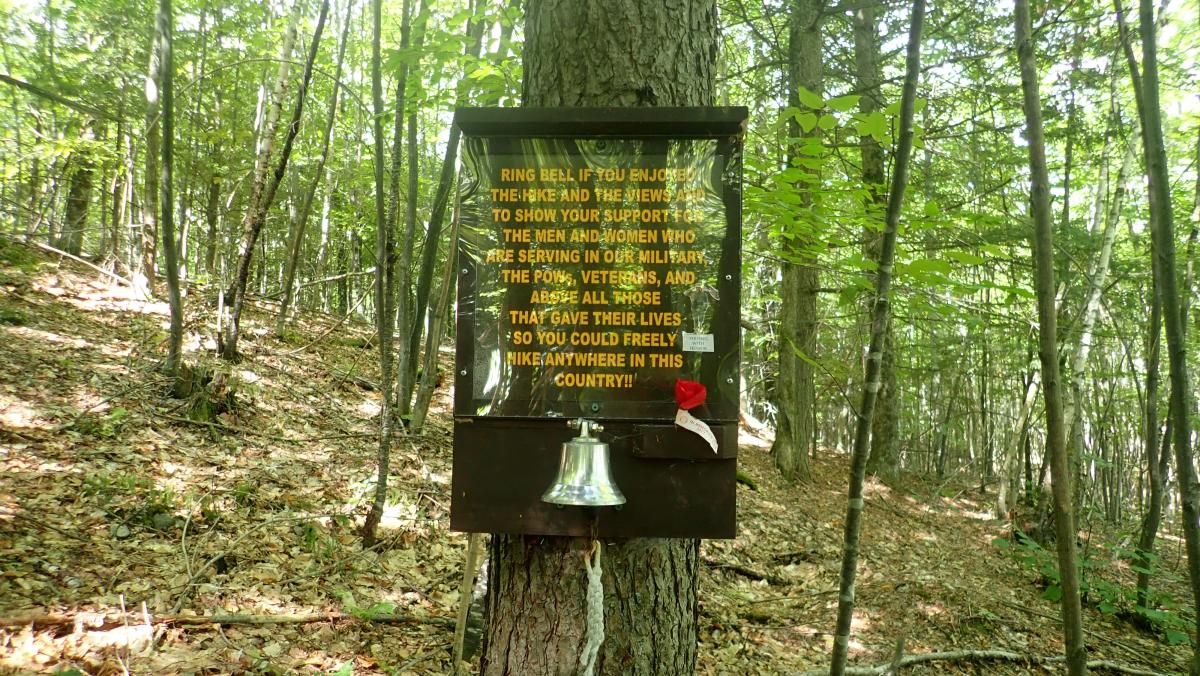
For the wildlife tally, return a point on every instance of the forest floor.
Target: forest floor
(123, 522)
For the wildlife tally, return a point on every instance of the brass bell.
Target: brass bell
(584, 475)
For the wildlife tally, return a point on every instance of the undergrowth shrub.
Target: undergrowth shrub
(1161, 615)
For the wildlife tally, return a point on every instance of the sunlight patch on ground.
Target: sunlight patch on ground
(16, 413)
(86, 400)
(946, 506)
(135, 306)
(930, 609)
(859, 623)
(116, 352)
(873, 488)
(977, 515)
(399, 514)
(749, 438)
(368, 408)
(46, 336)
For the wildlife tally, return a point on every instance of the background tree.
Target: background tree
(880, 318)
(383, 287)
(163, 31)
(1060, 478)
(1162, 229)
(797, 319)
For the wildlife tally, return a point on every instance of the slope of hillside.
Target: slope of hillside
(126, 518)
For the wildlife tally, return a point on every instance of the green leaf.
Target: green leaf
(965, 258)
(827, 122)
(1052, 593)
(811, 145)
(932, 209)
(1001, 543)
(929, 265)
(848, 296)
(810, 99)
(1107, 608)
(1175, 637)
(807, 121)
(378, 609)
(482, 71)
(873, 124)
(843, 103)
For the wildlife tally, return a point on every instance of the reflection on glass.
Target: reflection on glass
(591, 259)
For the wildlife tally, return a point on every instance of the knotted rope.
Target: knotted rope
(594, 632)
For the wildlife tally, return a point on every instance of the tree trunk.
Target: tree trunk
(798, 317)
(1060, 478)
(164, 27)
(1162, 231)
(150, 194)
(404, 316)
(884, 449)
(1097, 274)
(256, 214)
(383, 290)
(212, 216)
(537, 585)
(112, 254)
(300, 226)
(1006, 500)
(880, 314)
(79, 195)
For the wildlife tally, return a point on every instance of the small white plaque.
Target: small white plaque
(697, 342)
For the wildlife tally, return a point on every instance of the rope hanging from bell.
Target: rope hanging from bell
(594, 628)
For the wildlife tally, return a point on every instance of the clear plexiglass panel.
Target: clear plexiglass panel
(596, 272)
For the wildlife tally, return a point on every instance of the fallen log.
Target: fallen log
(109, 620)
(746, 571)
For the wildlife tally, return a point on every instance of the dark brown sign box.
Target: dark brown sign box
(674, 485)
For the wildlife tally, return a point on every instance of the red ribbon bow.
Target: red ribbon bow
(689, 394)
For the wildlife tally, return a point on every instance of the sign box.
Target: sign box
(599, 261)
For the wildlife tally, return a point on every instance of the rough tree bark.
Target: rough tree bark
(1056, 442)
(795, 396)
(654, 54)
(880, 313)
(256, 214)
